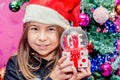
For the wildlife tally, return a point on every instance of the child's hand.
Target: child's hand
(67, 71)
(84, 72)
(61, 71)
(81, 73)
(74, 74)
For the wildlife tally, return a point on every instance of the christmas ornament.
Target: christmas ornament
(14, 6)
(110, 26)
(90, 47)
(106, 69)
(101, 15)
(84, 19)
(112, 57)
(117, 2)
(92, 9)
(74, 43)
(117, 9)
(118, 29)
(118, 45)
(118, 71)
(96, 61)
(113, 16)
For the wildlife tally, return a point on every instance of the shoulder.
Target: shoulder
(12, 58)
(12, 69)
(12, 61)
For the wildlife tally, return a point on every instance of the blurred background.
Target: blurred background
(10, 30)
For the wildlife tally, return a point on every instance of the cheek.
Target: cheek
(55, 38)
(31, 38)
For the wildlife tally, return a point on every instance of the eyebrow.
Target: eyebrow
(57, 26)
(31, 24)
(53, 26)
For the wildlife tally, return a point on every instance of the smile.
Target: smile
(42, 46)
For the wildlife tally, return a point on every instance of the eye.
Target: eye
(34, 28)
(52, 29)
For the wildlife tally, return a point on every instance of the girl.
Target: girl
(39, 52)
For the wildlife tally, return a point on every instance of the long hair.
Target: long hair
(25, 51)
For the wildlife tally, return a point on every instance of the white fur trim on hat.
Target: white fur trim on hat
(44, 15)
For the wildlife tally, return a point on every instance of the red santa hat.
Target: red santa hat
(58, 12)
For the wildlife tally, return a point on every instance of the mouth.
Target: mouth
(43, 46)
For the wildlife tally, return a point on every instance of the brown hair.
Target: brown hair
(24, 52)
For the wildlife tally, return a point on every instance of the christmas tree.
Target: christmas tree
(103, 35)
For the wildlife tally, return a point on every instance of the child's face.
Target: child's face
(44, 39)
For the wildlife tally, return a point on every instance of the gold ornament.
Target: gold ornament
(112, 16)
(117, 9)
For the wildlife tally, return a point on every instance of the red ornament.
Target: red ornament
(90, 47)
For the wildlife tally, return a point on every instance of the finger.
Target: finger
(66, 64)
(66, 67)
(82, 70)
(61, 60)
(88, 69)
(68, 76)
(89, 63)
(83, 73)
(74, 71)
(75, 75)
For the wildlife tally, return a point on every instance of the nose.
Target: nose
(42, 36)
